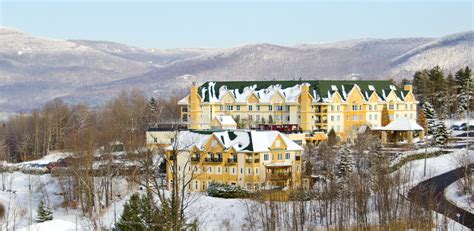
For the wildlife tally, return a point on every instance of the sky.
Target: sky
(175, 24)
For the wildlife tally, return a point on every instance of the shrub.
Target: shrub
(226, 191)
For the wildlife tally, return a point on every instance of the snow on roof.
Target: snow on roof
(241, 141)
(279, 164)
(401, 124)
(183, 101)
(225, 120)
(371, 87)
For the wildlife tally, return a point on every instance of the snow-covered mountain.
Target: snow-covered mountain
(34, 70)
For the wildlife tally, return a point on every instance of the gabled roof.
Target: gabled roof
(225, 120)
(401, 124)
(321, 90)
(241, 141)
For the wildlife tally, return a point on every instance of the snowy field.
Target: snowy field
(212, 213)
(455, 195)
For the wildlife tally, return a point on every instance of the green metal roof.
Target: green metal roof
(322, 87)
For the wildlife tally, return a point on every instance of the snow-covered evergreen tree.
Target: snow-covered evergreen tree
(345, 163)
(462, 106)
(44, 213)
(430, 115)
(441, 135)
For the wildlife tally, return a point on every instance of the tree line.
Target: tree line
(57, 125)
(450, 95)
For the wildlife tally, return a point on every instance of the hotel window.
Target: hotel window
(347, 117)
(338, 128)
(238, 107)
(354, 107)
(256, 171)
(411, 106)
(279, 108)
(218, 169)
(287, 107)
(258, 118)
(376, 117)
(233, 170)
(241, 170)
(278, 118)
(361, 117)
(370, 117)
(338, 108)
(354, 117)
(230, 107)
(338, 118)
(221, 108)
(360, 107)
(288, 119)
(287, 156)
(332, 118)
(406, 106)
(196, 184)
(248, 171)
(332, 108)
(370, 107)
(258, 107)
(265, 157)
(210, 169)
(250, 108)
(391, 106)
(375, 107)
(280, 156)
(270, 107)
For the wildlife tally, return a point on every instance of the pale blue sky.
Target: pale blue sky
(164, 24)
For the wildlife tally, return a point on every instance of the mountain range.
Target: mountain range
(34, 70)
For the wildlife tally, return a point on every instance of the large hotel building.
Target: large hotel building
(311, 107)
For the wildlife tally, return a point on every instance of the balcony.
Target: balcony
(213, 160)
(279, 176)
(297, 157)
(232, 160)
(248, 160)
(257, 160)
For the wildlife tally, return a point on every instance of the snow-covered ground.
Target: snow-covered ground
(455, 195)
(212, 213)
(435, 166)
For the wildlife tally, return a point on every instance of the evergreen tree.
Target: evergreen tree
(421, 85)
(464, 89)
(332, 138)
(130, 219)
(385, 119)
(441, 135)
(437, 90)
(263, 120)
(270, 119)
(44, 213)
(430, 117)
(140, 213)
(451, 95)
(345, 163)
